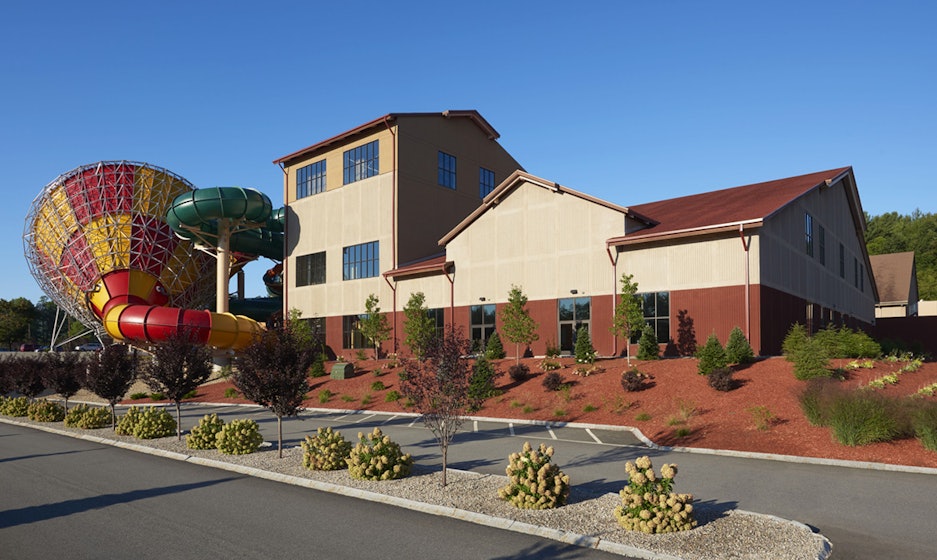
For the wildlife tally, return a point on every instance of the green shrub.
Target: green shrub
(324, 396)
(817, 398)
(239, 437)
(552, 381)
(378, 385)
(191, 394)
(138, 396)
(647, 344)
(203, 435)
(46, 411)
(720, 379)
(17, 407)
(535, 482)
(553, 350)
(925, 426)
(847, 343)
(711, 356)
(648, 502)
(549, 365)
(392, 396)
(633, 380)
(738, 350)
(328, 451)
(584, 351)
(157, 396)
(317, 369)
(482, 380)
(87, 417)
(862, 417)
(231, 393)
(810, 360)
(146, 423)
(795, 339)
(376, 457)
(494, 350)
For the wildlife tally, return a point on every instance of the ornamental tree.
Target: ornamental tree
(179, 366)
(373, 325)
(63, 373)
(111, 373)
(272, 373)
(419, 329)
(518, 326)
(439, 387)
(629, 313)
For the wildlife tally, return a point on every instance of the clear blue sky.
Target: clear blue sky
(628, 101)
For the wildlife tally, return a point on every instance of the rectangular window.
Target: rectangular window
(573, 314)
(862, 278)
(808, 233)
(842, 261)
(486, 181)
(438, 317)
(855, 272)
(351, 336)
(310, 179)
(310, 269)
(656, 307)
(482, 325)
(821, 238)
(361, 162)
(361, 261)
(317, 328)
(445, 172)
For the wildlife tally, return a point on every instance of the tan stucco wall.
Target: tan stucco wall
(546, 242)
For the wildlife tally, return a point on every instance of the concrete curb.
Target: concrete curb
(566, 537)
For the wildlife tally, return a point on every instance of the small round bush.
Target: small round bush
(810, 360)
(46, 411)
(328, 451)
(648, 502)
(376, 457)
(633, 380)
(552, 381)
(239, 437)
(720, 379)
(482, 380)
(519, 373)
(87, 417)
(535, 482)
(203, 434)
(648, 348)
(146, 423)
(16, 407)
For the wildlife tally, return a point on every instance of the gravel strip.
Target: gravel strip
(721, 534)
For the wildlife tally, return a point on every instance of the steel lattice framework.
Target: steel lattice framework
(107, 217)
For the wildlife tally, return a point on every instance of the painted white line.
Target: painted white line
(389, 419)
(597, 440)
(475, 425)
(511, 428)
(552, 434)
(368, 417)
(415, 420)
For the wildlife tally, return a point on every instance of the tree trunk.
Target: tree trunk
(279, 436)
(445, 449)
(113, 417)
(178, 421)
(517, 353)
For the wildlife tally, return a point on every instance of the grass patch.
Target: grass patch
(528, 409)
(231, 393)
(157, 396)
(378, 386)
(348, 398)
(516, 404)
(643, 417)
(761, 416)
(682, 432)
(559, 412)
(392, 396)
(589, 408)
(861, 418)
(138, 396)
(324, 396)
(366, 400)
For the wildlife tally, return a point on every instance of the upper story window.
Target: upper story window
(808, 233)
(361, 261)
(445, 172)
(310, 269)
(486, 181)
(310, 179)
(821, 240)
(361, 162)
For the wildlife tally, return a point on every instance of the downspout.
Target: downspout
(393, 290)
(286, 237)
(614, 261)
(451, 299)
(393, 220)
(748, 311)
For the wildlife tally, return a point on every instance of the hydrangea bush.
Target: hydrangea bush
(16, 407)
(203, 434)
(146, 423)
(376, 457)
(87, 417)
(648, 502)
(535, 482)
(328, 451)
(239, 437)
(46, 411)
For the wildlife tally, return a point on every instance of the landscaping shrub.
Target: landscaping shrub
(720, 379)
(146, 423)
(138, 396)
(810, 360)
(494, 349)
(647, 345)
(17, 407)
(239, 437)
(553, 350)
(552, 381)
(633, 380)
(317, 369)
(519, 373)
(862, 417)
(925, 425)
(482, 380)
(328, 451)
(378, 385)
(794, 340)
(585, 352)
(847, 343)
(231, 393)
(392, 396)
(203, 435)
(324, 396)
(711, 356)
(549, 364)
(648, 502)
(87, 417)
(377, 457)
(46, 411)
(535, 482)
(738, 350)
(817, 398)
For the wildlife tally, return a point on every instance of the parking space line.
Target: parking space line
(597, 440)
(415, 420)
(368, 417)
(552, 433)
(511, 428)
(389, 419)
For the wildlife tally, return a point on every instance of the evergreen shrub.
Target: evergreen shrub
(146, 423)
(494, 349)
(711, 356)
(585, 352)
(648, 348)
(738, 350)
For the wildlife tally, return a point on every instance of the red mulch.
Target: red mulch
(715, 420)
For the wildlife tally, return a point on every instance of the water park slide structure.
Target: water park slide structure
(117, 245)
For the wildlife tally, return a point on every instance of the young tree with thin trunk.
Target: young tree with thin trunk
(272, 372)
(179, 366)
(63, 373)
(629, 313)
(438, 386)
(27, 376)
(519, 327)
(418, 328)
(373, 325)
(110, 375)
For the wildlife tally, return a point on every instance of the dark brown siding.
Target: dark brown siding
(917, 333)
(714, 310)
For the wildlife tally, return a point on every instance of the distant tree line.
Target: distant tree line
(897, 233)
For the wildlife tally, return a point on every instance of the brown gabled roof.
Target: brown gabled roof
(516, 179)
(470, 114)
(893, 274)
(727, 209)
